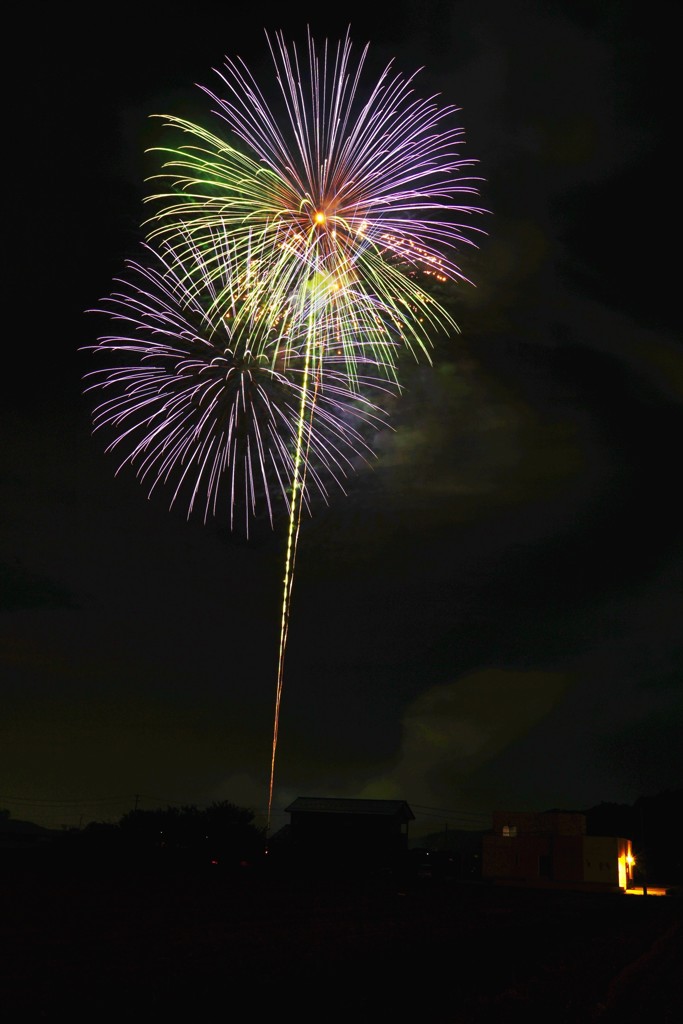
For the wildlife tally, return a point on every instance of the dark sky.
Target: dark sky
(491, 618)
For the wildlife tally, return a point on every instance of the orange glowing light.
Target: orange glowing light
(320, 217)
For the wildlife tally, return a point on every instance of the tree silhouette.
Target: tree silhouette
(222, 834)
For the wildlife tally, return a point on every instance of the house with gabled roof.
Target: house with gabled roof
(348, 832)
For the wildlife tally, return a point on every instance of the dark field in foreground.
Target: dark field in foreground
(143, 946)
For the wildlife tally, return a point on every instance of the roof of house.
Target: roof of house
(335, 805)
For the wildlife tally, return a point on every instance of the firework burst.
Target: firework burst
(214, 409)
(362, 197)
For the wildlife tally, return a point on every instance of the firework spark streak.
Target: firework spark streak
(286, 269)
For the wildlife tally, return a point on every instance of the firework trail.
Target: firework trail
(295, 265)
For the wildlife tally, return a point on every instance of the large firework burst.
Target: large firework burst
(359, 196)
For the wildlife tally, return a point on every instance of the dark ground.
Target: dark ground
(109, 945)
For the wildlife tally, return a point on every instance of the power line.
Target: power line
(62, 803)
(450, 812)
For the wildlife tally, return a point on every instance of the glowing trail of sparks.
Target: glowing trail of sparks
(298, 482)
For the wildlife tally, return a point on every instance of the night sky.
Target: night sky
(491, 617)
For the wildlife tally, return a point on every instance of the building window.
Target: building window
(510, 831)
